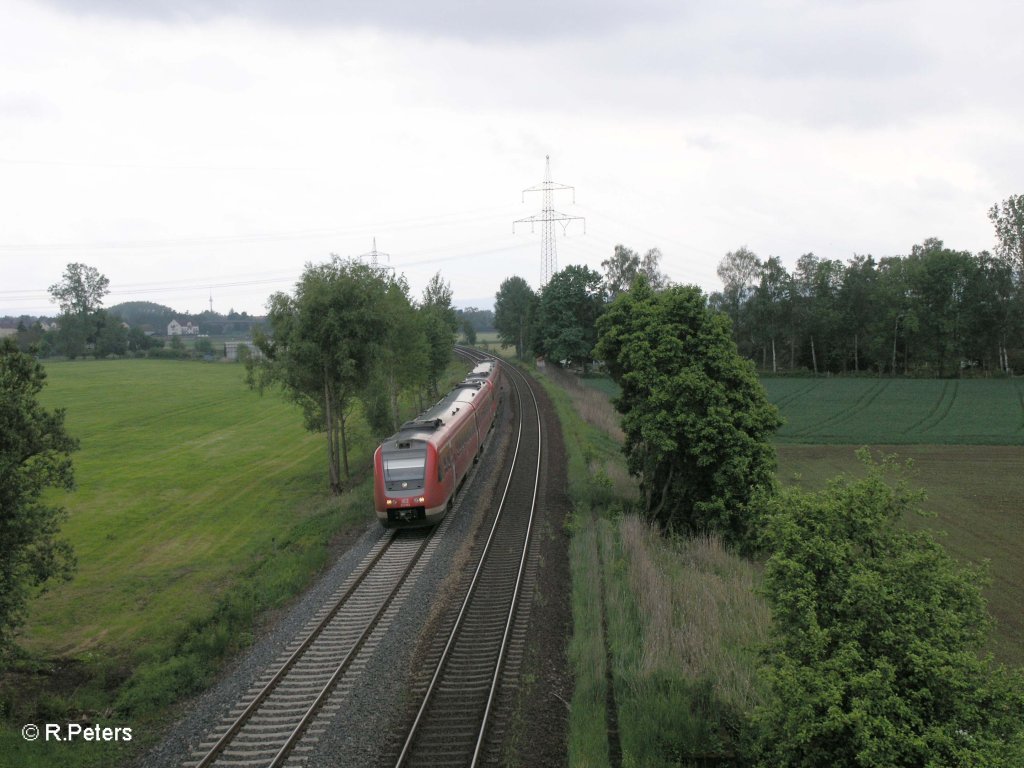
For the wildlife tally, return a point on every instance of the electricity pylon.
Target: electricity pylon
(547, 217)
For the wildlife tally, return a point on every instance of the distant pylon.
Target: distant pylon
(548, 216)
(374, 257)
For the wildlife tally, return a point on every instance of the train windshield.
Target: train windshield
(405, 465)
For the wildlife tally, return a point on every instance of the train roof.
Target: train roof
(483, 370)
(443, 411)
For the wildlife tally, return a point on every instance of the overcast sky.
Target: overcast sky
(206, 146)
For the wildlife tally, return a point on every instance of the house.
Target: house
(174, 328)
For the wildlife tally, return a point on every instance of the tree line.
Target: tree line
(350, 335)
(876, 651)
(936, 311)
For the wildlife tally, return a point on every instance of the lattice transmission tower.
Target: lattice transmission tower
(547, 218)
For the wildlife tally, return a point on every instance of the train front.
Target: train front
(402, 491)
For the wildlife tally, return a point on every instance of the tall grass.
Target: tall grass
(683, 617)
(700, 608)
(593, 406)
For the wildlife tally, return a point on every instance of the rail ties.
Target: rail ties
(280, 708)
(451, 725)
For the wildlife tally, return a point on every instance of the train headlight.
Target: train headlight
(421, 499)
(390, 502)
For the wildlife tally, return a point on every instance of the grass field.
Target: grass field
(183, 474)
(199, 507)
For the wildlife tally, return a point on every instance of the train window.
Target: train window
(410, 464)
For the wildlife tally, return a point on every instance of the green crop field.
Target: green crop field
(900, 411)
(966, 438)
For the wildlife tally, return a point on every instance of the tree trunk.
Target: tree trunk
(856, 358)
(895, 335)
(342, 418)
(395, 415)
(774, 367)
(814, 357)
(332, 449)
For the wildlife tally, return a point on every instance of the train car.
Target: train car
(418, 470)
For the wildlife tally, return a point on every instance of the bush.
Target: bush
(875, 639)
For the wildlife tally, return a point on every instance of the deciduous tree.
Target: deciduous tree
(35, 454)
(567, 315)
(874, 658)
(515, 310)
(1008, 219)
(322, 348)
(80, 296)
(696, 419)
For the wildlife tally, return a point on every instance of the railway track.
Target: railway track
(277, 718)
(451, 724)
(286, 710)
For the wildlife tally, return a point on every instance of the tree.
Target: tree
(80, 296)
(515, 309)
(857, 308)
(696, 419)
(401, 360)
(738, 270)
(81, 291)
(873, 659)
(569, 307)
(622, 268)
(771, 307)
(322, 348)
(440, 323)
(35, 453)
(1008, 220)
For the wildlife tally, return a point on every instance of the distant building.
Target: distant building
(174, 328)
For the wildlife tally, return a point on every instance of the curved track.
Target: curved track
(451, 724)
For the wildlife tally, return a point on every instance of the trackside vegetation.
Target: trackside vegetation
(873, 639)
(696, 419)
(666, 629)
(874, 658)
(35, 454)
(351, 337)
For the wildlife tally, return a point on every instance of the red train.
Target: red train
(419, 468)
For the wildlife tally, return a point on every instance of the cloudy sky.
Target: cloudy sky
(216, 146)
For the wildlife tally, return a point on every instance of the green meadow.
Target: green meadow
(199, 507)
(183, 475)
